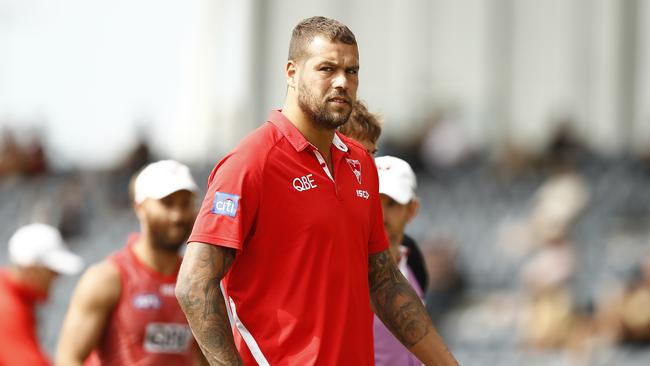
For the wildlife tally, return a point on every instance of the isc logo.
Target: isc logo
(304, 183)
(363, 194)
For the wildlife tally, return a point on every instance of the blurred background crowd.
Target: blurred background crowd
(527, 122)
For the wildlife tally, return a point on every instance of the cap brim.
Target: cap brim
(163, 191)
(63, 262)
(399, 195)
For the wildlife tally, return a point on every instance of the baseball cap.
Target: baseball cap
(41, 244)
(396, 179)
(162, 178)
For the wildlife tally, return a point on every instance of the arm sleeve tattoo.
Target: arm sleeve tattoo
(199, 294)
(395, 302)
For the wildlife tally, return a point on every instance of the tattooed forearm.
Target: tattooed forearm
(395, 302)
(200, 297)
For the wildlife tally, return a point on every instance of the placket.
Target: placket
(335, 163)
(322, 163)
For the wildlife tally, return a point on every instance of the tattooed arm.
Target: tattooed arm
(402, 311)
(200, 297)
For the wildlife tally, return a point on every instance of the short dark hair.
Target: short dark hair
(362, 125)
(309, 28)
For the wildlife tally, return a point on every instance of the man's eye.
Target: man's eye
(326, 69)
(353, 71)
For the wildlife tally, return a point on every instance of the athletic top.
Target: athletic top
(388, 350)
(298, 287)
(18, 342)
(147, 326)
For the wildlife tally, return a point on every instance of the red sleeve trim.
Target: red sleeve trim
(375, 248)
(215, 240)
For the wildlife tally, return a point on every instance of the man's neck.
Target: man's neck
(161, 261)
(27, 279)
(317, 136)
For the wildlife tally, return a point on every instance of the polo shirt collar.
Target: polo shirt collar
(339, 143)
(296, 139)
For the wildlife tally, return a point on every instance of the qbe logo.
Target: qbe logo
(304, 183)
(225, 204)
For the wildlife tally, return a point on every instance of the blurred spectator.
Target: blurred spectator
(446, 280)
(564, 148)
(10, 155)
(34, 160)
(72, 200)
(27, 160)
(512, 161)
(547, 275)
(445, 143)
(138, 157)
(625, 317)
(560, 154)
(38, 255)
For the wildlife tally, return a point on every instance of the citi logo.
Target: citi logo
(225, 204)
(304, 183)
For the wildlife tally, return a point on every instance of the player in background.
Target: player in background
(123, 311)
(365, 127)
(37, 256)
(400, 205)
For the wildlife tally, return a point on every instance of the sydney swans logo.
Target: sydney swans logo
(355, 165)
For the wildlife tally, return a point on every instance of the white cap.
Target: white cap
(396, 179)
(160, 179)
(40, 244)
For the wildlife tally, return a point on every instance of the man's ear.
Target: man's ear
(291, 70)
(414, 207)
(138, 208)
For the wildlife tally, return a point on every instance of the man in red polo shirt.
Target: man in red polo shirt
(38, 255)
(292, 227)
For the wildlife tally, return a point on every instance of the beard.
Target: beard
(170, 238)
(323, 114)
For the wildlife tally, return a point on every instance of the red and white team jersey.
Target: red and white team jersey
(298, 288)
(147, 326)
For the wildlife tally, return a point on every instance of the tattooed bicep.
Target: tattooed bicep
(379, 265)
(378, 260)
(207, 258)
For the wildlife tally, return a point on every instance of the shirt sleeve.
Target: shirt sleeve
(229, 208)
(378, 241)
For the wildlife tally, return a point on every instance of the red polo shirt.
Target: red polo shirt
(298, 287)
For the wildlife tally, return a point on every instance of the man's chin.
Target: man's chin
(337, 120)
(171, 248)
(172, 244)
(341, 111)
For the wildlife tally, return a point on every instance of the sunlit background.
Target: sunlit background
(527, 121)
